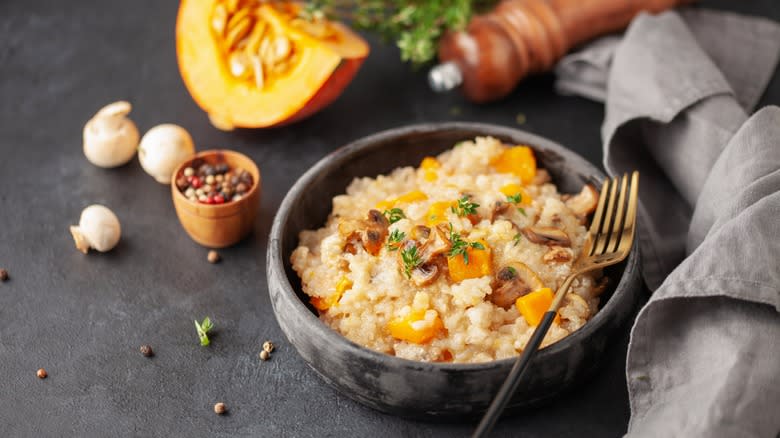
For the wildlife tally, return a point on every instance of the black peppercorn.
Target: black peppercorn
(146, 350)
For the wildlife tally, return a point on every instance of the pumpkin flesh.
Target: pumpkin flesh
(318, 70)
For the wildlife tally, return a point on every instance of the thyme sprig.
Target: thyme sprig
(411, 259)
(394, 215)
(394, 240)
(465, 207)
(414, 25)
(460, 246)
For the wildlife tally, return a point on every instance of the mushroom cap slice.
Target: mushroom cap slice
(547, 236)
(425, 274)
(585, 202)
(499, 208)
(512, 282)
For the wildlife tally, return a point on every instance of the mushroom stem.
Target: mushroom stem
(82, 243)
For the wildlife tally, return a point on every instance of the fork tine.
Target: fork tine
(594, 227)
(619, 223)
(597, 217)
(630, 223)
(603, 237)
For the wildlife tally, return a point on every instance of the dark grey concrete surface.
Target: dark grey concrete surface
(84, 317)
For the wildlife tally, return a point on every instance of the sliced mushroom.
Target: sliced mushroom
(350, 229)
(438, 243)
(557, 254)
(377, 219)
(376, 232)
(585, 202)
(431, 246)
(512, 282)
(550, 236)
(425, 274)
(420, 233)
(370, 233)
(498, 209)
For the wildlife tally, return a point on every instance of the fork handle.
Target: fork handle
(513, 379)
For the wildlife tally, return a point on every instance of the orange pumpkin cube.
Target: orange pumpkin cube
(323, 304)
(518, 160)
(437, 213)
(534, 305)
(429, 166)
(406, 198)
(479, 264)
(414, 328)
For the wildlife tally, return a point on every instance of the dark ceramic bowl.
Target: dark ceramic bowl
(420, 389)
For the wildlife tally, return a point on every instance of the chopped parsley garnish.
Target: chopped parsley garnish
(411, 259)
(394, 239)
(394, 215)
(465, 207)
(460, 246)
(203, 328)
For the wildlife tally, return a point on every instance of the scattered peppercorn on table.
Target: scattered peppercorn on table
(83, 318)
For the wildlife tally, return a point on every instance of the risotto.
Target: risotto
(455, 260)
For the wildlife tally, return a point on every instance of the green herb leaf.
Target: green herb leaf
(514, 199)
(394, 215)
(517, 238)
(203, 328)
(522, 211)
(411, 259)
(395, 237)
(465, 207)
(460, 246)
(512, 270)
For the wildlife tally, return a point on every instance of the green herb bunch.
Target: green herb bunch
(414, 25)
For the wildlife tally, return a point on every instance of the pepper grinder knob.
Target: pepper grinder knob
(445, 77)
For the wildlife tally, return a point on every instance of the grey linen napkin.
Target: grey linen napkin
(704, 355)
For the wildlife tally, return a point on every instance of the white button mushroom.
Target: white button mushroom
(110, 138)
(162, 149)
(98, 229)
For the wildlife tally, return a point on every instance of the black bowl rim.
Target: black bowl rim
(344, 153)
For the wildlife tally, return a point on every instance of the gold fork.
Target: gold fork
(609, 241)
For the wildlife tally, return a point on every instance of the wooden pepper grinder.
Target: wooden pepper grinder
(520, 37)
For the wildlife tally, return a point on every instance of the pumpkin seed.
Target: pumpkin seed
(219, 19)
(255, 37)
(265, 50)
(239, 67)
(257, 67)
(281, 48)
(237, 17)
(238, 32)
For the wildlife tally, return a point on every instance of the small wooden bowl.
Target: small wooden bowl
(218, 225)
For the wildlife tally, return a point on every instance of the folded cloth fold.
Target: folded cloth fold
(704, 355)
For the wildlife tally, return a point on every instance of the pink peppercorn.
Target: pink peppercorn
(219, 199)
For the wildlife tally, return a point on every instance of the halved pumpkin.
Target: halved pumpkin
(252, 64)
